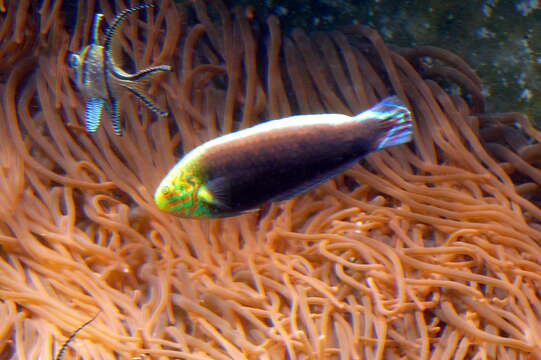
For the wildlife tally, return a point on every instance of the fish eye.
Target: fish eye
(73, 60)
(165, 190)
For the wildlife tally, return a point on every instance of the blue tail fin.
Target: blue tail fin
(392, 122)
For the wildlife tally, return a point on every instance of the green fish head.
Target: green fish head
(184, 194)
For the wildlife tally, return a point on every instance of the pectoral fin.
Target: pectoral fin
(215, 192)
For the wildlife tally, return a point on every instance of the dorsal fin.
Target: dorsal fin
(111, 31)
(96, 29)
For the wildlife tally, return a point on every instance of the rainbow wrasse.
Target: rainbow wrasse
(277, 160)
(100, 78)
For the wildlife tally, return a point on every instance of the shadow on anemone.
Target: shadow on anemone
(429, 250)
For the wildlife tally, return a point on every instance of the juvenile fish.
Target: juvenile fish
(100, 78)
(277, 160)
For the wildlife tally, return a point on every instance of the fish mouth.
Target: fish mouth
(160, 198)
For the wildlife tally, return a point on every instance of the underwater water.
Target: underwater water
(430, 249)
(501, 40)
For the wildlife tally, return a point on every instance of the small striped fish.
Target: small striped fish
(277, 160)
(101, 79)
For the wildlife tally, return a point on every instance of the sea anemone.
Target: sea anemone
(428, 250)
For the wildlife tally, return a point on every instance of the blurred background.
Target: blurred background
(500, 39)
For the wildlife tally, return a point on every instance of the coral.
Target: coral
(430, 250)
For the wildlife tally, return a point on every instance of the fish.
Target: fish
(72, 336)
(277, 160)
(99, 77)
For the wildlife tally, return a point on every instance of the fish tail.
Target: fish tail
(391, 123)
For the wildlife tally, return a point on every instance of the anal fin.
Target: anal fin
(115, 117)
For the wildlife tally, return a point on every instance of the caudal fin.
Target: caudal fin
(391, 121)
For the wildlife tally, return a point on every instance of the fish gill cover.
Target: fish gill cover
(429, 250)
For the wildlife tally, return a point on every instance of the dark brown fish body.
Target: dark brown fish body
(258, 168)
